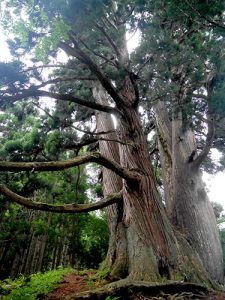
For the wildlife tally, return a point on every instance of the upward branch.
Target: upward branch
(85, 59)
(208, 143)
(62, 165)
(60, 208)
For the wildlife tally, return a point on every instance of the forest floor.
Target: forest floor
(75, 284)
(85, 286)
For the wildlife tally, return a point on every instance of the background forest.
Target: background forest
(86, 124)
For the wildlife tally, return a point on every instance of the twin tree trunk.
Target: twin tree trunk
(150, 248)
(143, 243)
(187, 202)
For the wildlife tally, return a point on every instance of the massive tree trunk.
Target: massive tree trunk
(116, 260)
(186, 199)
(150, 249)
(153, 249)
(151, 244)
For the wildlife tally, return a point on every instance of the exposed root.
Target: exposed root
(127, 289)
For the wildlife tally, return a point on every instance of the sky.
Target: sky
(214, 183)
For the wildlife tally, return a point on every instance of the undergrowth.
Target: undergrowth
(33, 287)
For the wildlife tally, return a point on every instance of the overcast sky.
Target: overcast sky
(215, 184)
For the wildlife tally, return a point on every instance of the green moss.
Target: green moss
(103, 271)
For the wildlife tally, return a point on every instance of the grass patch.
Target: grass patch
(32, 287)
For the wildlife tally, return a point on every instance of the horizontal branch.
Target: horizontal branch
(60, 208)
(91, 140)
(33, 92)
(65, 79)
(63, 66)
(62, 165)
(80, 101)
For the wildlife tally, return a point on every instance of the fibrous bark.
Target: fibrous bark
(186, 199)
(115, 263)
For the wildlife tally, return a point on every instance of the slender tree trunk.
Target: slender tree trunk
(30, 253)
(25, 256)
(15, 265)
(187, 202)
(5, 249)
(60, 249)
(43, 244)
(54, 257)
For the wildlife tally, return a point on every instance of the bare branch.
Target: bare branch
(208, 143)
(109, 22)
(44, 110)
(47, 66)
(90, 140)
(63, 79)
(98, 54)
(208, 19)
(85, 59)
(60, 208)
(111, 42)
(90, 104)
(92, 132)
(66, 164)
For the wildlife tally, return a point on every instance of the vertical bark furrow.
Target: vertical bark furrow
(187, 203)
(116, 259)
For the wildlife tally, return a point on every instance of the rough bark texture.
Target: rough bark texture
(151, 243)
(150, 250)
(116, 259)
(186, 199)
(154, 250)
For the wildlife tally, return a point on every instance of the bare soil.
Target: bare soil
(73, 284)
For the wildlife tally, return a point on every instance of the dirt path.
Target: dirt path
(72, 284)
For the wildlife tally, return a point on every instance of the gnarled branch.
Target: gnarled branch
(60, 208)
(76, 161)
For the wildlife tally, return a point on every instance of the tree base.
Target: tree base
(127, 289)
